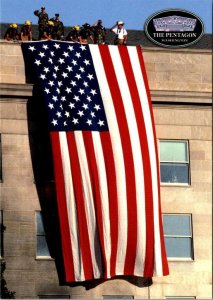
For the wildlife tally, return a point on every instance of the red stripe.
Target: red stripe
(163, 251)
(94, 179)
(79, 198)
(149, 261)
(128, 161)
(62, 208)
(113, 197)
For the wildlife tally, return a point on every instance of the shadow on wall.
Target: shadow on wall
(41, 154)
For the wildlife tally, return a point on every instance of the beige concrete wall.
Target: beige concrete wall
(174, 71)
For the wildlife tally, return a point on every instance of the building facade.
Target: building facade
(181, 89)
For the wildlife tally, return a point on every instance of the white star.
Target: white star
(55, 98)
(61, 60)
(67, 114)
(54, 75)
(42, 76)
(73, 83)
(85, 106)
(60, 83)
(63, 98)
(81, 91)
(74, 62)
(51, 83)
(75, 121)
(52, 53)
(45, 47)
(57, 46)
(51, 106)
(58, 91)
(41, 54)
(69, 68)
(90, 76)
(81, 69)
(58, 114)
(97, 107)
(65, 123)
(76, 98)
(101, 123)
(78, 54)
(85, 84)
(61, 107)
(89, 99)
(80, 113)
(66, 54)
(50, 60)
(93, 92)
(56, 68)
(70, 48)
(86, 61)
(64, 75)
(89, 122)
(92, 114)
(68, 90)
(78, 76)
(46, 70)
(32, 48)
(47, 90)
(71, 105)
(37, 62)
(83, 47)
(54, 122)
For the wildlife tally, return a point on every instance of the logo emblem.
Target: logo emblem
(174, 28)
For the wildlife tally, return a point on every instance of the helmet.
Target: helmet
(86, 25)
(14, 25)
(27, 22)
(120, 23)
(76, 27)
(50, 23)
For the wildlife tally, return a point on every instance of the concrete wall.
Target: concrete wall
(180, 83)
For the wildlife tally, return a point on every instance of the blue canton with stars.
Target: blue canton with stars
(67, 77)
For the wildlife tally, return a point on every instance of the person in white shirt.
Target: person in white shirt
(121, 33)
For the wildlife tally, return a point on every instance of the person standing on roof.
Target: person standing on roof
(73, 35)
(86, 34)
(120, 32)
(99, 32)
(58, 29)
(11, 33)
(42, 20)
(26, 31)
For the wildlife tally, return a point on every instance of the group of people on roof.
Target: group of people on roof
(53, 29)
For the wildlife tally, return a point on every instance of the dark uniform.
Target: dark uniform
(42, 20)
(11, 33)
(73, 35)
(47, 31)
(99, 33)
(86, 33)
(58, 29)
(26, 32)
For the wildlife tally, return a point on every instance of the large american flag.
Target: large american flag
(105, 158)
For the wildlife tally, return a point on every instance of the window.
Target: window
(178, 236)
(118, 297)
(174, 162)
(42, 247)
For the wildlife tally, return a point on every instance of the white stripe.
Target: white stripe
(149, 132)
(118, 158)
(89, 205)
(137, 158)
(71, 208)
(102, 178)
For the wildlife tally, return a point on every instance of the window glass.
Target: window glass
(178, 235)
(42, 246)
(173, 151)
(174, 162)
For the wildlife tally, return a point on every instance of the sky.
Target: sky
(133, 12)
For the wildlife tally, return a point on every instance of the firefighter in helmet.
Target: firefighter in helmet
(26, 31)
(46, 33)
(73, 35)
(86, 34)
(58, 29)
(11, 33)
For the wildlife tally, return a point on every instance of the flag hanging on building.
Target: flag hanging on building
(105, 158)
